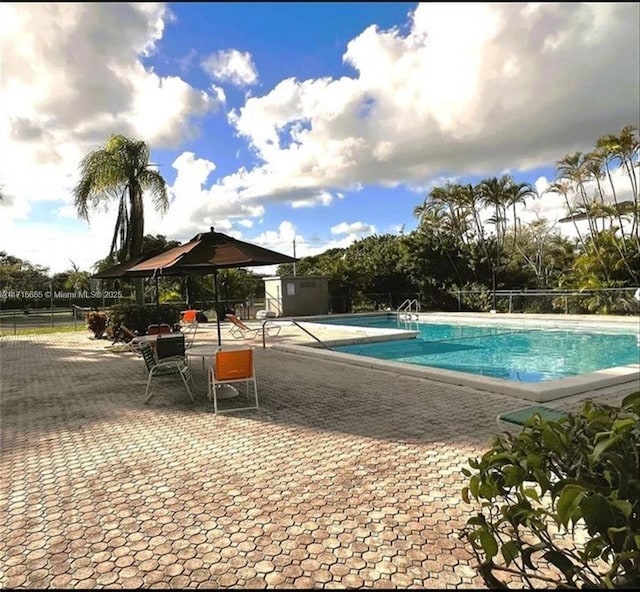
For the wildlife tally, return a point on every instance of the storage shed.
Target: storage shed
(293, 296)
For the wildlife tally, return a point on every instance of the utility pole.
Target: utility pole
(294, 256)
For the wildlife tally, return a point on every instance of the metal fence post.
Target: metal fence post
(52, 315)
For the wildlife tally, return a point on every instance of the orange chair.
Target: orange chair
(158, 329)
(189, 316)
(232, 363)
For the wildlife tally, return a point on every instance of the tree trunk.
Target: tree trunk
(136, 225)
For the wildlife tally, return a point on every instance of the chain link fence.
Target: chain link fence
(46, 313)
(619, 301)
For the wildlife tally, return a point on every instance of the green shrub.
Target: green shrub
(562, 496)
(138, 317)
(477, 298)
(97, 322)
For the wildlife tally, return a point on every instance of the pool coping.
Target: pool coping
(536, 392)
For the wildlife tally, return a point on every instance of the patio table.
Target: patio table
(225, 391)
(202, 351)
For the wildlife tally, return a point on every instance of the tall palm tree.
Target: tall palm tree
(121, 170)
(574, 169)
(626, 149)
(494, 193)
(517, 194)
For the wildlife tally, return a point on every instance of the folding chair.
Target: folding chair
(168, 367)
(232, 364)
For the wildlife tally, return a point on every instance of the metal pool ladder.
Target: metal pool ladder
(408, 310)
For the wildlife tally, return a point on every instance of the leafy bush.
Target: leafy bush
(138, 317)
(97, 322)
(475, 298)
(560, 501)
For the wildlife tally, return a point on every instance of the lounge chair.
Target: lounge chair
(519, 417)
(189, 316)
(189, 319)
(167, 367)
(242, 331)
(232, 364)
(189, 331)
(126, 335)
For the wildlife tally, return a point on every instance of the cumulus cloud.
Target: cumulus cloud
(359, 228)
(458, 93)
(466, 90)
(321, 198)
(231, 66)
(462, 90)
(72, 76)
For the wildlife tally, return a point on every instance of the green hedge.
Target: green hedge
(138, 317)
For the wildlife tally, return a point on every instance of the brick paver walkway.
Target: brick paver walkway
(345, 478)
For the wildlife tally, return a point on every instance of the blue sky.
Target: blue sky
(323, 122)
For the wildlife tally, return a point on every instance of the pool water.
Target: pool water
(524, 355)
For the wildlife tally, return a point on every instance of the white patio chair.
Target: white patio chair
(167, 367)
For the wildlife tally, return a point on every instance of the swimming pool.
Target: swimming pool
(534, 357)
(524, 355)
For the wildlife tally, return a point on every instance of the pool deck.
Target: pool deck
(346, 477)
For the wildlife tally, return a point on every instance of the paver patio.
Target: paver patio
(345, 478)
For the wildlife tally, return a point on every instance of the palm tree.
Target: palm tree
(517, 194)
(494, 193)
(76, 279)
(121, 170)
(626, 148)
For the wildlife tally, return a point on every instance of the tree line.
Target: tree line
(469, 237)
(454, 249)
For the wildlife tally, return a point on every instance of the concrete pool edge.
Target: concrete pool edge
(581, 322)
(535, 392)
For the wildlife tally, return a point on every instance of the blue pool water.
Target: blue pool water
(524, 355)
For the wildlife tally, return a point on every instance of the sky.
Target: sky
(299, 126)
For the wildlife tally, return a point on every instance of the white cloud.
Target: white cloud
(360, 228)
(321, 198)
(463, 90)
(218, 93)
(72, 75)
(231, 66)
(469, 89)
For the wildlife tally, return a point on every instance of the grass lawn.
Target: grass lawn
(7, 331)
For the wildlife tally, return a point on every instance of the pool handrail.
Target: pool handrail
(264, 333)
(407, 308)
